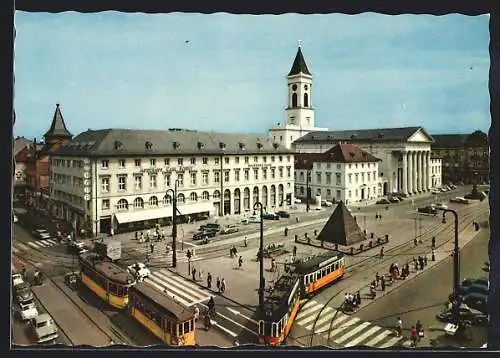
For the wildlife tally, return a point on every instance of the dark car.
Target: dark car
(383, 201)
(474, 288)
(465, 313)
(484, 281)
(428, 210)
(271, 216)
(283, 214)
(477, 301)
(210, 226)
(204, 234)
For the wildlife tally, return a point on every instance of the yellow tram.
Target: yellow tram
(167, 319)
(107, 280)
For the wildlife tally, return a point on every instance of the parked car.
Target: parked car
(383, 201)
(271, 216)
(441, 206)
(297, 201)
(477, 301)
(394, 199)
(77, 247)
(484, 281)
(204, 234)
(435, 191)
(453, 186)
(283, 214)
(23, 292)
(460, 200)
(427, 210)
(139, 270)
(474, 288)
(326, 203)
(465, 313)
(210, 226)
(17, 279)
(27, 310)
(250, 220)
(44, 328)
(41, 234)
(229, 229)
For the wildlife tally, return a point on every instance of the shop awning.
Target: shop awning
(157, 213)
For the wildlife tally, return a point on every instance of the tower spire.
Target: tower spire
(299, 64)
(58, 127)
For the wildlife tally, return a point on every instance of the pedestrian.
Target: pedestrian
(23, 272)
(399, 327)
(273, 265)
(240, 262)
(415, 241)
(433, 242)
(376, 216)
(136, 235)
(162, 234)
(382, 252)
(196, 312)
(245, 242)
(209, 280)
(294, 251)
(286, 231)
(380, 216)
(358, 299)
(193, 271)
(234, 250)
(377, 279)
(382, 284)
(413, 336)
(231, 252)
(297, 219)
(200, 276)
(418, 328)
(111, 231)
(222, 286)
(142, 237)
(152, 246)
(218, 283)
(425, 260)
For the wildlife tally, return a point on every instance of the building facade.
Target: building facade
(405, 165)
(436, 172)
(299, 112)
(125, 178)
(344, 172)
(465, 157)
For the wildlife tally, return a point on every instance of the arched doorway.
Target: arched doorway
(280, 195)
(255, 196)
(237, 201)
(264, 196)
(227, 202)
(386, 188)
(217, 202)
(273, 196)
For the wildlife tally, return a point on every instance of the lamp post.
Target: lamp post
(174, 222)
(456, 269)
(261, 256)
(308, 192)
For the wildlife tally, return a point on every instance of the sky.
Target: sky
(227, 73)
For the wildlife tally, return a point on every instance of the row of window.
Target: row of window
(349, 165)
(370, 192)
(315, 276)
(70, 198)
(103, 282)
(68, 163)
(153, 201)
(67, 179)
(122, 163)
(338, 177)
(167, 178)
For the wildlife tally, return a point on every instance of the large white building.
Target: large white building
(119, 178)
(405, 153)
(344, 172)
(299, 113)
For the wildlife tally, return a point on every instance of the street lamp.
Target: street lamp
(308, 191)
(261, 256)
(174, 221)
(456, 269)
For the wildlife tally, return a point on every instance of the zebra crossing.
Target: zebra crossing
(344, 330)
(184, 291)
(34, 244)
(161, 255)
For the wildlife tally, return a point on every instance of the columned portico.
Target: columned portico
(429, 181)
(404, 174)
(414, 171)
(424, 171)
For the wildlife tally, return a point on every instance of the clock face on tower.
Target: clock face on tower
(294, 87)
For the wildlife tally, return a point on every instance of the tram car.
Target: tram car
(303, 278)
(106, 279)
(167, 319)
(280, 308)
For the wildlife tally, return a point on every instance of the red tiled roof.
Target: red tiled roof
(340, 153)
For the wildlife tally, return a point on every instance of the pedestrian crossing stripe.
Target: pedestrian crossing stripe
(183, 290)
(32, 244)
(21, 246)
(342, 329)
(15, 249)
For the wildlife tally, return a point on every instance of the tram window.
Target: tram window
(261, 327)
(112, 288)
(186, 327)
(273, 332)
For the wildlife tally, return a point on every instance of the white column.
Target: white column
(410, 172)
(424, 172)
(419, 171)
(405, 174)
(429, 172)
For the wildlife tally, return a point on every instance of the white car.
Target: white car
(14, 218)
(41, 234)
(139, 271)
(326, 203)
(297, 201)
(17, 279)
(27, 310)
(441, 206)
(251, 219)
(44, 328)
(435, 191)
(459, 199)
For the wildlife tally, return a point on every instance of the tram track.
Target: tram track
(382, 263)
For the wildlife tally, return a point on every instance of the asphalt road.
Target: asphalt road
(423, 297)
